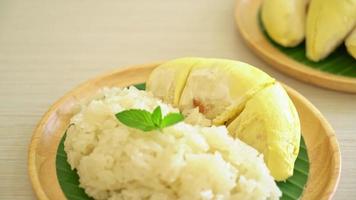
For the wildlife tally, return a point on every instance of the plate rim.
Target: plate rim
(247, 21)
(37, 133)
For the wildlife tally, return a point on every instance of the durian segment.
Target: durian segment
(168, 80)
(351, 43)
(328, 23)
(230, 112)
(270, 123)
(219, 87)
(284, 20)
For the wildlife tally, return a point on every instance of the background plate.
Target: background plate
(323, 150)
(337, 72)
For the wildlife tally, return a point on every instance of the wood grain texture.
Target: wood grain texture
(322, 146)
(49, 47)
(248, 25)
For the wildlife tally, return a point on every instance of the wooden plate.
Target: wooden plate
(246, 15)
(323, 150)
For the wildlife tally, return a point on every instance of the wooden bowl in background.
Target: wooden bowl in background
(247, 19)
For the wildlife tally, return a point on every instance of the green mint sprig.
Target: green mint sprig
(146, 121)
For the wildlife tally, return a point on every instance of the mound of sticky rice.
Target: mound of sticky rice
(182, 161)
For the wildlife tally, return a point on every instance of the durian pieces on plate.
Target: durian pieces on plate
(328, 24)
(270, 123)
(336, 72)
(284, 20)
(325, 24)
(254, 107)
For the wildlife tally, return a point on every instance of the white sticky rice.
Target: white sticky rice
(184, 161)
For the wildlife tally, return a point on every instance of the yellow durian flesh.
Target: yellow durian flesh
(270, 123)
(351, 43)
(328, 23)
(219, 86)
(168, 79)
(284, 20)
(258, 111)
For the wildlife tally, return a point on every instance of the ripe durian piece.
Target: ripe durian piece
(270, 123)
(351, 43)
(220, 87)
(168, 79)
(284, 20)
(328, 23)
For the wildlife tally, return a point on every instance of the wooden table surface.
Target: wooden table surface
(48, 47)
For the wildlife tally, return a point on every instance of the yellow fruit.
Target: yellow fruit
(328, 23)
(284, 20)
(257, 110)
(270, 123)
(220, 87)
(351, 43)
(168, 80)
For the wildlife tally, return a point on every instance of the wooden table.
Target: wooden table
(47, 48)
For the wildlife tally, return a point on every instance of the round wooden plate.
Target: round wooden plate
(246, 15)
(323, 150)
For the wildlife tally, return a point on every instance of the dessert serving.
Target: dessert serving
(128, 144)
(195, 128)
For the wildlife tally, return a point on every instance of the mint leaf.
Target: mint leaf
(137, 118)
(170, 119)
(157, 116)
(146, 121)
